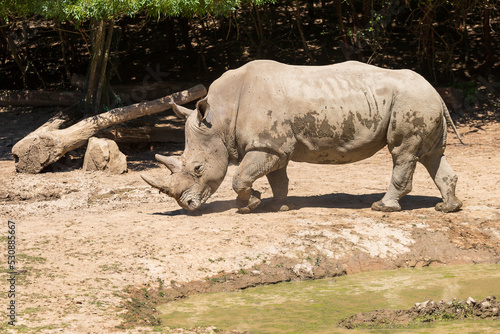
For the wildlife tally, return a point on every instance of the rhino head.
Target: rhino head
(199, 171)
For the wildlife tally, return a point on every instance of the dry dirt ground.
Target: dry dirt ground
(83, 238)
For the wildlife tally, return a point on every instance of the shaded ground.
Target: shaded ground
(85, 239)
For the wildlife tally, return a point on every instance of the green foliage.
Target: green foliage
(11, 8)
(83, 10)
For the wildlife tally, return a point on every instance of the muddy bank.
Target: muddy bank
(425, 248)
(426, 312)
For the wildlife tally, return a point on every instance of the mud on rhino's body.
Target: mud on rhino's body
(265, 114)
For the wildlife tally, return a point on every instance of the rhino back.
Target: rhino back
(322, 114)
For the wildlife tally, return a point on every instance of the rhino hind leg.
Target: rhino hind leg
(278, 180)
(400, 185)
(254, 165)
(445, 179)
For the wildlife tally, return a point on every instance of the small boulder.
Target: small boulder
(303, 270)
(104, 154)
(470, 301)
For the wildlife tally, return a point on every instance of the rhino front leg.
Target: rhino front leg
(254, 165)
(278, 180)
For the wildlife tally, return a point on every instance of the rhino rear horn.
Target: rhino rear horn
(174, 164)
(155, 184)
(180, 111)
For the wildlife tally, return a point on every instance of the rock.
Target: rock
(303, 270)
(103, 154)
(485, 304)
(470, 301)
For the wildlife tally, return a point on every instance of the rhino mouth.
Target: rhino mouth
(191, 202)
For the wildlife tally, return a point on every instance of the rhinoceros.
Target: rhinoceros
(265, 114)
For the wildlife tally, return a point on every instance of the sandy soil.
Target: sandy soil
(83, 238)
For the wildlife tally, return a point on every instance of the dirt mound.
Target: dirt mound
(425, 312)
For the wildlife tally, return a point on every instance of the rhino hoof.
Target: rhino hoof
(451, 206)
(280, 206)
(284, 208)
(379, 206)
(250, 205)
(244, 210)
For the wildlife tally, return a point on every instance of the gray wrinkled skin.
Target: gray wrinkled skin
(265, 114)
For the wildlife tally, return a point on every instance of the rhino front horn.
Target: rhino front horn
(174, 164)
(155, 184)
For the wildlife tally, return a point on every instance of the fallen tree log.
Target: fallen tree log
(144, 134)
(129, 94)
(38, 98)
(136, 92)
(47, 144)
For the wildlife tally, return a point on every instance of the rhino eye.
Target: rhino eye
(198, 170)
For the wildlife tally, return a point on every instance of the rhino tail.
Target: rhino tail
(447, 115)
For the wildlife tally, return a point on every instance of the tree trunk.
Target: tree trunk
(488, 50)
(64, 51)
(170, 31)
(343, 33)
(13, 50)
(298, 20)
(356, 26)
(185, 28)
(103, 85)
(258, 29)
(98, 89)
(427, 39)
(47, 144)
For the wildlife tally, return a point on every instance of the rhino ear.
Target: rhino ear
(202, 106)
(203, 115)
(180, 111)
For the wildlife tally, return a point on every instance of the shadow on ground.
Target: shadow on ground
(330, 201)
